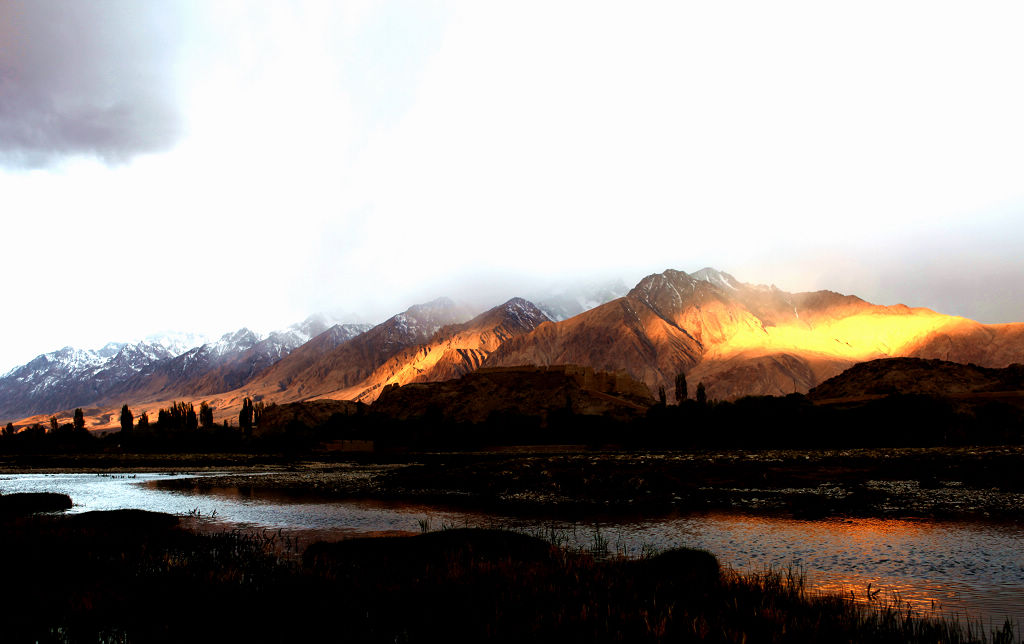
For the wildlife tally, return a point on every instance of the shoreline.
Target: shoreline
(939, 483)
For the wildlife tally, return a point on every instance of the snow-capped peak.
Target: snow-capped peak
(141, 354)
(235, 341)
(302, 332)
(524, 313)
(72, 359)
(177, 342)
(717, 277)
(110, 349)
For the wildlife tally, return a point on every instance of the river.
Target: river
(972, 569)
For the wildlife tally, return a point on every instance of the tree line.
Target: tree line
(179, 416)
(682, 393)
(182, 416)
(77, 425)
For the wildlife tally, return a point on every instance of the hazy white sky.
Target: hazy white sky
(208, 165)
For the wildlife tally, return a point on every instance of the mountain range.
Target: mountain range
(158, 367)
(736, 338)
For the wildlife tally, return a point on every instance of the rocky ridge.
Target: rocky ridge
(452, 351)
(744, 339)
(316, 370)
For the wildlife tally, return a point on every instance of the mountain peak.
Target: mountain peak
(670, 291)
(717, 277)
(522, 314)
(241, 335)
(419, 322)
(110, 349)
(306, 330)
(667, 291)
(520, 305)
(178, 342)
(233, 342)
(441, 304)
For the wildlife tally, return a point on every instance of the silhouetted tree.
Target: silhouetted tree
(246, 415)
(79, 420)
(257, 412)
(205, 415)
(702, 396)
(53, 425)
(661, 395)
(9, 430)
(126, 419)
(178, 411)
(681, 392)
(191, 420)
(179, 415)
(143, 421)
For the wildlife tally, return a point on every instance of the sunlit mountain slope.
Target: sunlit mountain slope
(742, 339)
(453, 350)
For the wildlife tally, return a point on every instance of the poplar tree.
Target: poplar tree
(127, 419)
(191, 420)
(205, 415)
(681, 392)
(245, 416)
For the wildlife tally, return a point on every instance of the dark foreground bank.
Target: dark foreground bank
(140, 577)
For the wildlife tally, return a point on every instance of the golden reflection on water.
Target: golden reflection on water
(871, 531)
(881, 592)
(923, 565)
(867, 535)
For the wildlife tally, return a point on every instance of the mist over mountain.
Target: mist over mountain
(178, 342)
(565, 302)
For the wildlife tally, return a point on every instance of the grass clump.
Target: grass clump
(23, 503)
(776, 606)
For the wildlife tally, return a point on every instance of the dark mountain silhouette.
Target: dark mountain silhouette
(487, 394)
(918, 376)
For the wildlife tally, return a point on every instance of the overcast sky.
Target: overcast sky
(207, 165)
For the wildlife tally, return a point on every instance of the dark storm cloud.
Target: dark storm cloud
(87, 78)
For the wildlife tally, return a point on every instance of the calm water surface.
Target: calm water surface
(971, 568)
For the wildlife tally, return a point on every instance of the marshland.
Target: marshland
(133, 575)
(902, 532)
(872, 537)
